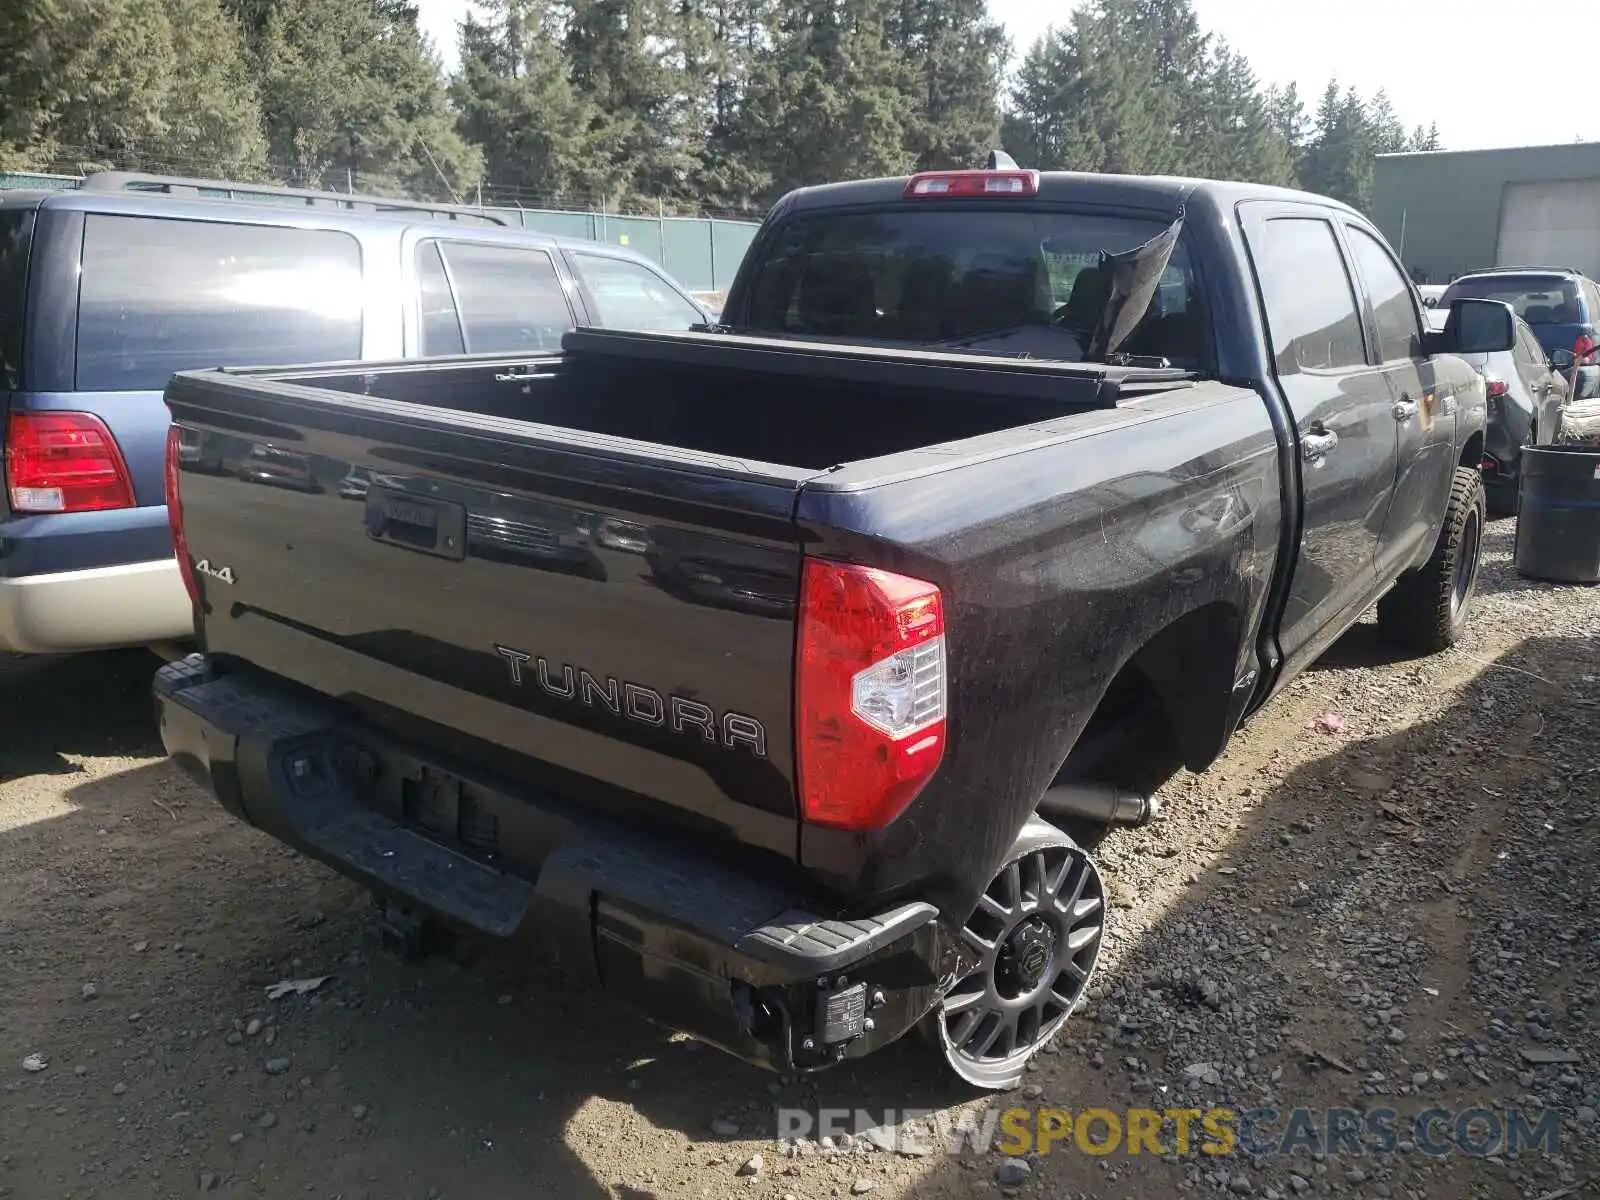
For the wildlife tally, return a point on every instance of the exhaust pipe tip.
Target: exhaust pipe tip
(1103, 803)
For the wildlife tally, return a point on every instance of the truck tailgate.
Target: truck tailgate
(612, 621)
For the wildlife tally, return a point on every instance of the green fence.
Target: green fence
(702, 253)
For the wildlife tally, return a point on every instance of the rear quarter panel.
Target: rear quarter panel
(1059, 558)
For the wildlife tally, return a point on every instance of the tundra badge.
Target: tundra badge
(635, 702)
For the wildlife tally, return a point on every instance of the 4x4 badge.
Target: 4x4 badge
(220, 574)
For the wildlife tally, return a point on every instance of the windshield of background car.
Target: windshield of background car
(995, 281)
(1537, 299)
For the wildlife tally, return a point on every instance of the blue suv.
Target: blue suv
(108, 289)
(1560, 305)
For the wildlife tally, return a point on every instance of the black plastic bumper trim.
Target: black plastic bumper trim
(271, 759)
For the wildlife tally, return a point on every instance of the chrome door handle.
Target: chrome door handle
(1315, 445)
(1405, 408)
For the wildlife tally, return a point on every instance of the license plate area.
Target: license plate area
(428, 526)
(440, 805)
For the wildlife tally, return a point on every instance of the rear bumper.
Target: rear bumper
(698, 946)
(96, 609)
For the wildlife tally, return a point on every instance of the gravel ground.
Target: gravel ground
(1384, 896)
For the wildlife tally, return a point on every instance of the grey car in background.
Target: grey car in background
(1561, 305)
(1523, 388)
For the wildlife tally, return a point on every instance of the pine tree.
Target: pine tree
(1179, 54)
(725, 176)
(1387, 133)
(1424, 139)
(1288, 114)
(829, 99)
(956, 53)
(1338, 157)
(620, 55)
(351, 95)
(516, 102)
(1240, 137)
(1117, 121)
(130, 83)
(1034, 127)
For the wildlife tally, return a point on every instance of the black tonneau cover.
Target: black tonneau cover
(1076, 383)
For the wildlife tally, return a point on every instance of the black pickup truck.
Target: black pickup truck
(759, 671)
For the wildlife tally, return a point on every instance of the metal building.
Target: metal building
(1451, 211)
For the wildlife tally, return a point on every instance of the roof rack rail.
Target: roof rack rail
(177, 185)
(1510, 268)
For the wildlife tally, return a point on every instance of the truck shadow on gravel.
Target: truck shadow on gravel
(79, 705)
(1371, 869)
(1428, 880)
(1363, 647)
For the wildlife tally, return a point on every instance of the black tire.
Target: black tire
(1426, 610)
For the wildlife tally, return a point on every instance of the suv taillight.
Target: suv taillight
(871, 693)
(64, 462)
(1583, 350)
(180, 543)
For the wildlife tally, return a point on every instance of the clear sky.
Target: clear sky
(1491, 73)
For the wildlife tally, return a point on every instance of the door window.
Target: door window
(1399, 335)
(1310, 305)
(509, 297)
(630, 295)
(441, 323)
(160, 295)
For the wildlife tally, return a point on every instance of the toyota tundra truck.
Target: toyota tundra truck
(760, 673)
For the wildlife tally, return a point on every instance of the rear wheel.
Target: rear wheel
(1426, 610)
(1037, 932)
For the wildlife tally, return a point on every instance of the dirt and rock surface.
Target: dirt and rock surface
(1384, 896)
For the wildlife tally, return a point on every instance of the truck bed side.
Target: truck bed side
(1142, 540)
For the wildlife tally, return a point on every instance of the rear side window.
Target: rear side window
(630, 296)
(441, 323)
(16, 232)
(1537, 299)
(160, 295)
(510, 297)
(1310, 305)
(1398, 334)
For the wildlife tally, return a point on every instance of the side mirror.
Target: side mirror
(1477, 327)
(1562, 360)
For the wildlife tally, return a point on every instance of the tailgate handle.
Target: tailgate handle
(418, 523)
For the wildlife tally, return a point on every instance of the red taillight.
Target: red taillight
(972, 183)
(871, 693)
(63, 462)
(1495, 387)
(180, 544)
(1583, 350)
